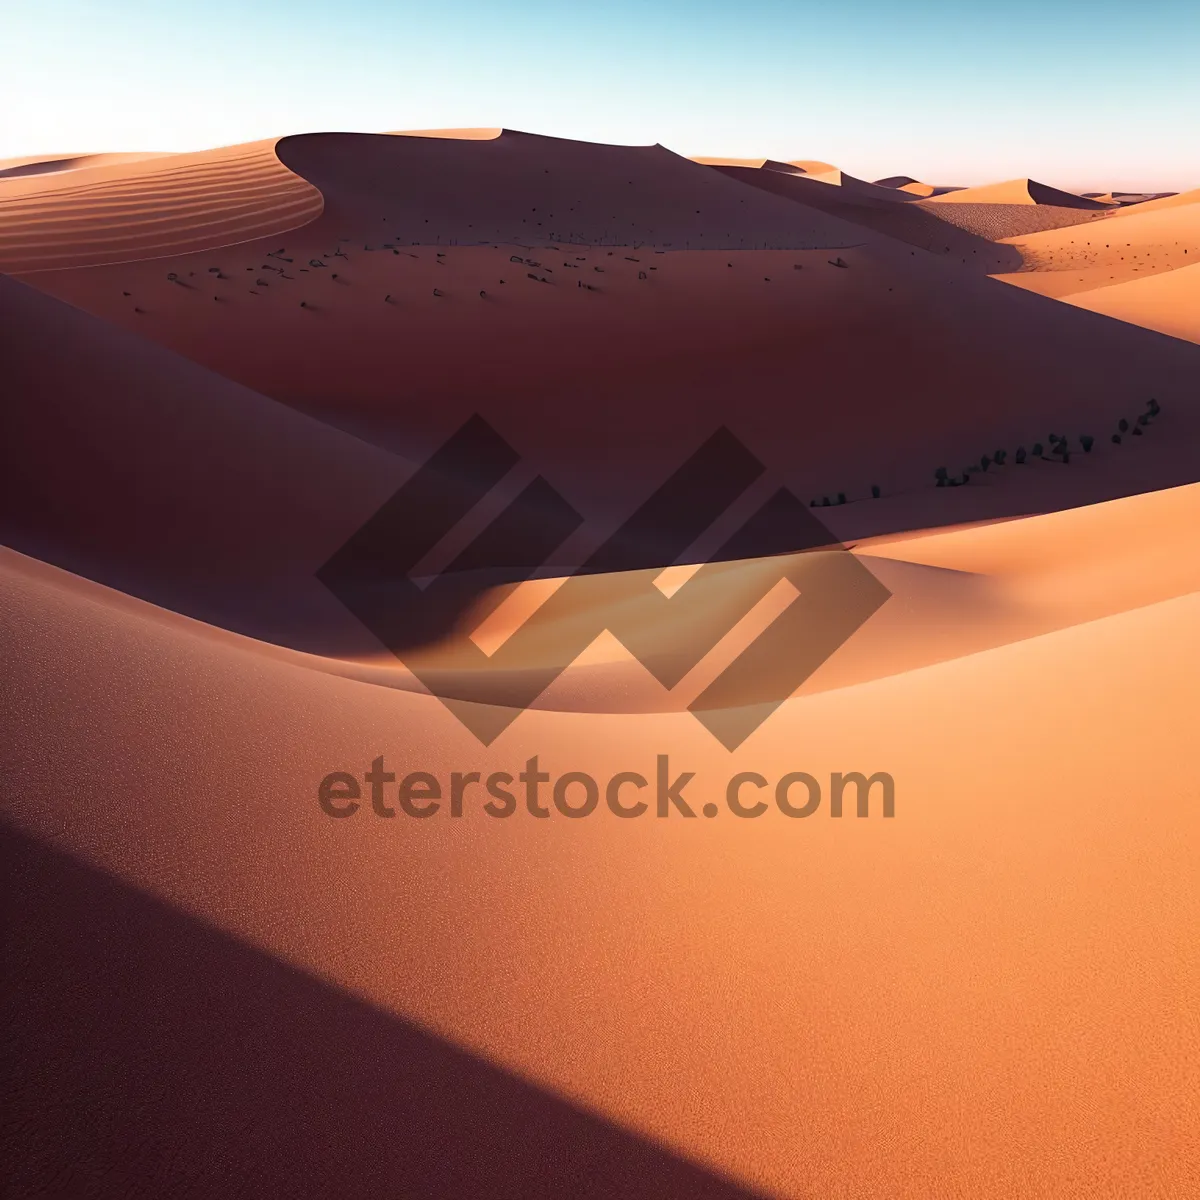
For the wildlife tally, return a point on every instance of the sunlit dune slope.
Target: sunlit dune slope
(147, 208)
(1027, 911)
(1140, 241)
(1168, 302)
(22, 168)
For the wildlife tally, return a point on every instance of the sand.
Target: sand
(221, 990)
(1021, 191)
(1168, 302)
(123, 211)
(1147, 240)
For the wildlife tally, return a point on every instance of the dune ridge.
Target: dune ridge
(1021, 191)
(149, 208)
(990, 989)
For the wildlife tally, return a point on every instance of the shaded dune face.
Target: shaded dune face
(148, 208)
(275, 1053)
(145, 472)
(521, 188)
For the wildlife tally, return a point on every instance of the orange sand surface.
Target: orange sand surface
(1147, 241)
(218, 366)
(1020, 191)
(165, 204)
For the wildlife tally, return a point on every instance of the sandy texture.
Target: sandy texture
(1146, 240)
(117, 212)
(219, 990)
(1168, 302)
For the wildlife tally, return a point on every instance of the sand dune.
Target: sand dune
(146, 472)
(1168, 302)
(906, 183)
(148, 431)
(1147, 241)
(220, 988)
(1021, 191)
(1170, 201)
(20, 168)
(523, 189)
(643, 367)
(1126, 199)
(860, 187)
(150, 207)
(966, 231)
(1024, 893)
(800, 166)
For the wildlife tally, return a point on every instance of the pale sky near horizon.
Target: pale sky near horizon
(1087, 95)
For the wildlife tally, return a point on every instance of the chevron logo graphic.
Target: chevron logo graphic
(430, 624)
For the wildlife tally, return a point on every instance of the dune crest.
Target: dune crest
(1019, 191)
(149, 208)
(480, 134)
(21, 168)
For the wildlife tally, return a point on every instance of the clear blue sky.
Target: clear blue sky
(1094, 94)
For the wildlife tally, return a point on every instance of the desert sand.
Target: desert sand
(1168, 302)
(1021, 191)
(1135, 243)
(104, 211)
(219, 366)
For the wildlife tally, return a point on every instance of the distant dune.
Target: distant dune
(149, 207)
(906, 183)
(20, 168)
(1168, 302)
(468, 135)
(800, 166)
(1020, 191)
(1171, 201)
(1125, 199)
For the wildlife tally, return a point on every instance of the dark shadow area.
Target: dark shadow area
(149, 1055)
